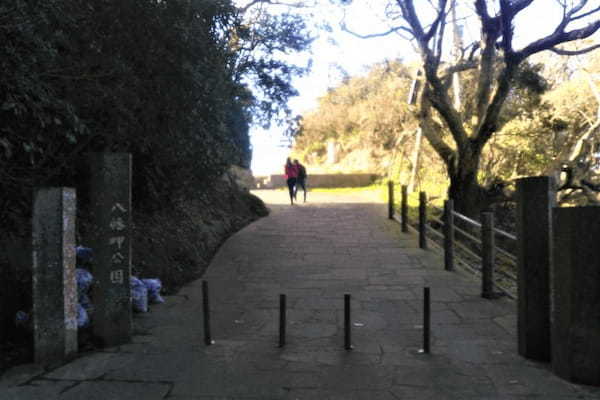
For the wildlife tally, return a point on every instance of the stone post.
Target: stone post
(110, 203)
(575, 289)
(54, 285)
(331, 151)
(535, 198)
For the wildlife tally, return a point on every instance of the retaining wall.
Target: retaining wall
(318, 181)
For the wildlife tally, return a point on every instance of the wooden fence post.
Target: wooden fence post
(404, 209)
(390, 200)
(423, 220)
(449, 235)
(488, 255)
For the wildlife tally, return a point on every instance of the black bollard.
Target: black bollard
(390, 200)
(282, 320)
(426, 320)
(404, 208)
(423, 220)
(206, 309)
(347, 333)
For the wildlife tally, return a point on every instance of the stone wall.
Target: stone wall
(318, 181)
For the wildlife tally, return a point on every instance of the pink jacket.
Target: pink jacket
(291, 171)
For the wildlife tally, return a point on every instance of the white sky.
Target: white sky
(355, 54)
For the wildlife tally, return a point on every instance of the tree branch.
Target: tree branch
(397, 29)
(488, 123)
(297, 4)
(520, 5)
(410, 15)
(585, 14)
(432, 131)
(440, 39)
(573, 52)
(560, 36)
(437, 93)
(440, 18)
(482, 11)
(506, 17)
(459, 67)
(486, 67)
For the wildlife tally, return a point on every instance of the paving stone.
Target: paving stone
(36, 390)
(102, 390)
(20, 375)
(90, 366)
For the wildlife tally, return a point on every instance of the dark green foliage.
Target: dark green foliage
(161, 79)
(147, 77)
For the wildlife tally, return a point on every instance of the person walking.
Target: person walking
(301, 179)
(291, 175)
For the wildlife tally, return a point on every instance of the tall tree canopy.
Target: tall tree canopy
(175, 82)
(459, 130)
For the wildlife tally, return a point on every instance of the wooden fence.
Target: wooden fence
(462, 240)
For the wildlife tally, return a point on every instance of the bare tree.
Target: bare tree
(459, 131)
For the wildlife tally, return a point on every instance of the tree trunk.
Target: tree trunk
(468, 195)
(414, 159)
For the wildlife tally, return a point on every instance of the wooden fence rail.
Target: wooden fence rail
(446, 241)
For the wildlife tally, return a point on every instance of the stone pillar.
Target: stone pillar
(331, 152)
(54, 285)
(576, 295)
(110, 203)
(535, 198)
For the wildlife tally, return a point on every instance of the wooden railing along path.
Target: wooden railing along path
(495, 265)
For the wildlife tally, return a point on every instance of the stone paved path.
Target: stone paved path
(314, 253)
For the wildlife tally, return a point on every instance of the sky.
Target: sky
(354, 55)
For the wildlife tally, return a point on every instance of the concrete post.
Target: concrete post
(575, 294)
(54, 286)
(110, 198)
(535, 198)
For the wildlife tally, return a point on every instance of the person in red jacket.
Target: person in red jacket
(291, 175)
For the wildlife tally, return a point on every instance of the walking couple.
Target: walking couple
(295, 174)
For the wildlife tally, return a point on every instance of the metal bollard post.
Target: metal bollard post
(487, 259)
(404, 208)
(423, 220)
(206, 310)
(390, 200)
(347, 333)
(426, 320)
(282, 319)
(449, 235)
